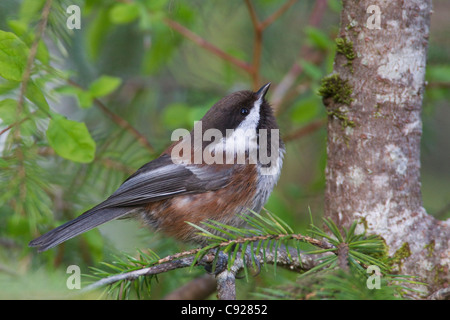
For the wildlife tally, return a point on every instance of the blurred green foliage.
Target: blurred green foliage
(61, 153)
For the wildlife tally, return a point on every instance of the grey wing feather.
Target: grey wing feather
(162, 179)
(157, 180)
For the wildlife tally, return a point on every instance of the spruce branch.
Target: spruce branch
(135, 274)
(24, 176)
(32, 54)
(225, 279)
(267, 240)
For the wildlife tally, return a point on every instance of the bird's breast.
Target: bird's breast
(249, 187)
(223, 205)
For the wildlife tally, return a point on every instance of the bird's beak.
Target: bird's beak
(262, 91)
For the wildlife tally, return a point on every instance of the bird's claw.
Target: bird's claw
(219, 264)
(252, 263)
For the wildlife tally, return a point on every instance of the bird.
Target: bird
(173, 189)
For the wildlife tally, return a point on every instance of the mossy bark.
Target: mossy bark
(373, 168)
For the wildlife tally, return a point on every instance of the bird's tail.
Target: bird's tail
(87, 221)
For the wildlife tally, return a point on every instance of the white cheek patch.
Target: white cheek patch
(251, 121)
(243, 139)
(240, 144)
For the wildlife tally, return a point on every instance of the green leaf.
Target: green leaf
(335, 5)
(95, 243)
(306, 109)
(318, 38)
(196, 113)
(311, 70)
(176, 115)
(30, 9)
(164, 45)
(70, 139)
(155, 4)
(8, 114)
(13, 56)
(123, 13)
(438, 73)
(36, 96)
(104, 86)
(4, 164)
(67, 90)
(85, 98)
(97, 32)
(20, 28)
(8, 109)
(7, 86)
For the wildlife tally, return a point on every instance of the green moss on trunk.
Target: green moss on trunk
(402, 253)
(345, 47)
(336, 88)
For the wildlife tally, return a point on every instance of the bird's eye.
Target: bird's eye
(244, 111)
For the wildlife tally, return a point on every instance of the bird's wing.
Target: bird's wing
(162, 179)
(157, 180)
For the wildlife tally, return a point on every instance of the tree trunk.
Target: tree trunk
(373, 99)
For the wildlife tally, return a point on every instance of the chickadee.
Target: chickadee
(177, 188)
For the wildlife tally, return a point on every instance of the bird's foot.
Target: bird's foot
(251, 263)
(219, 264)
